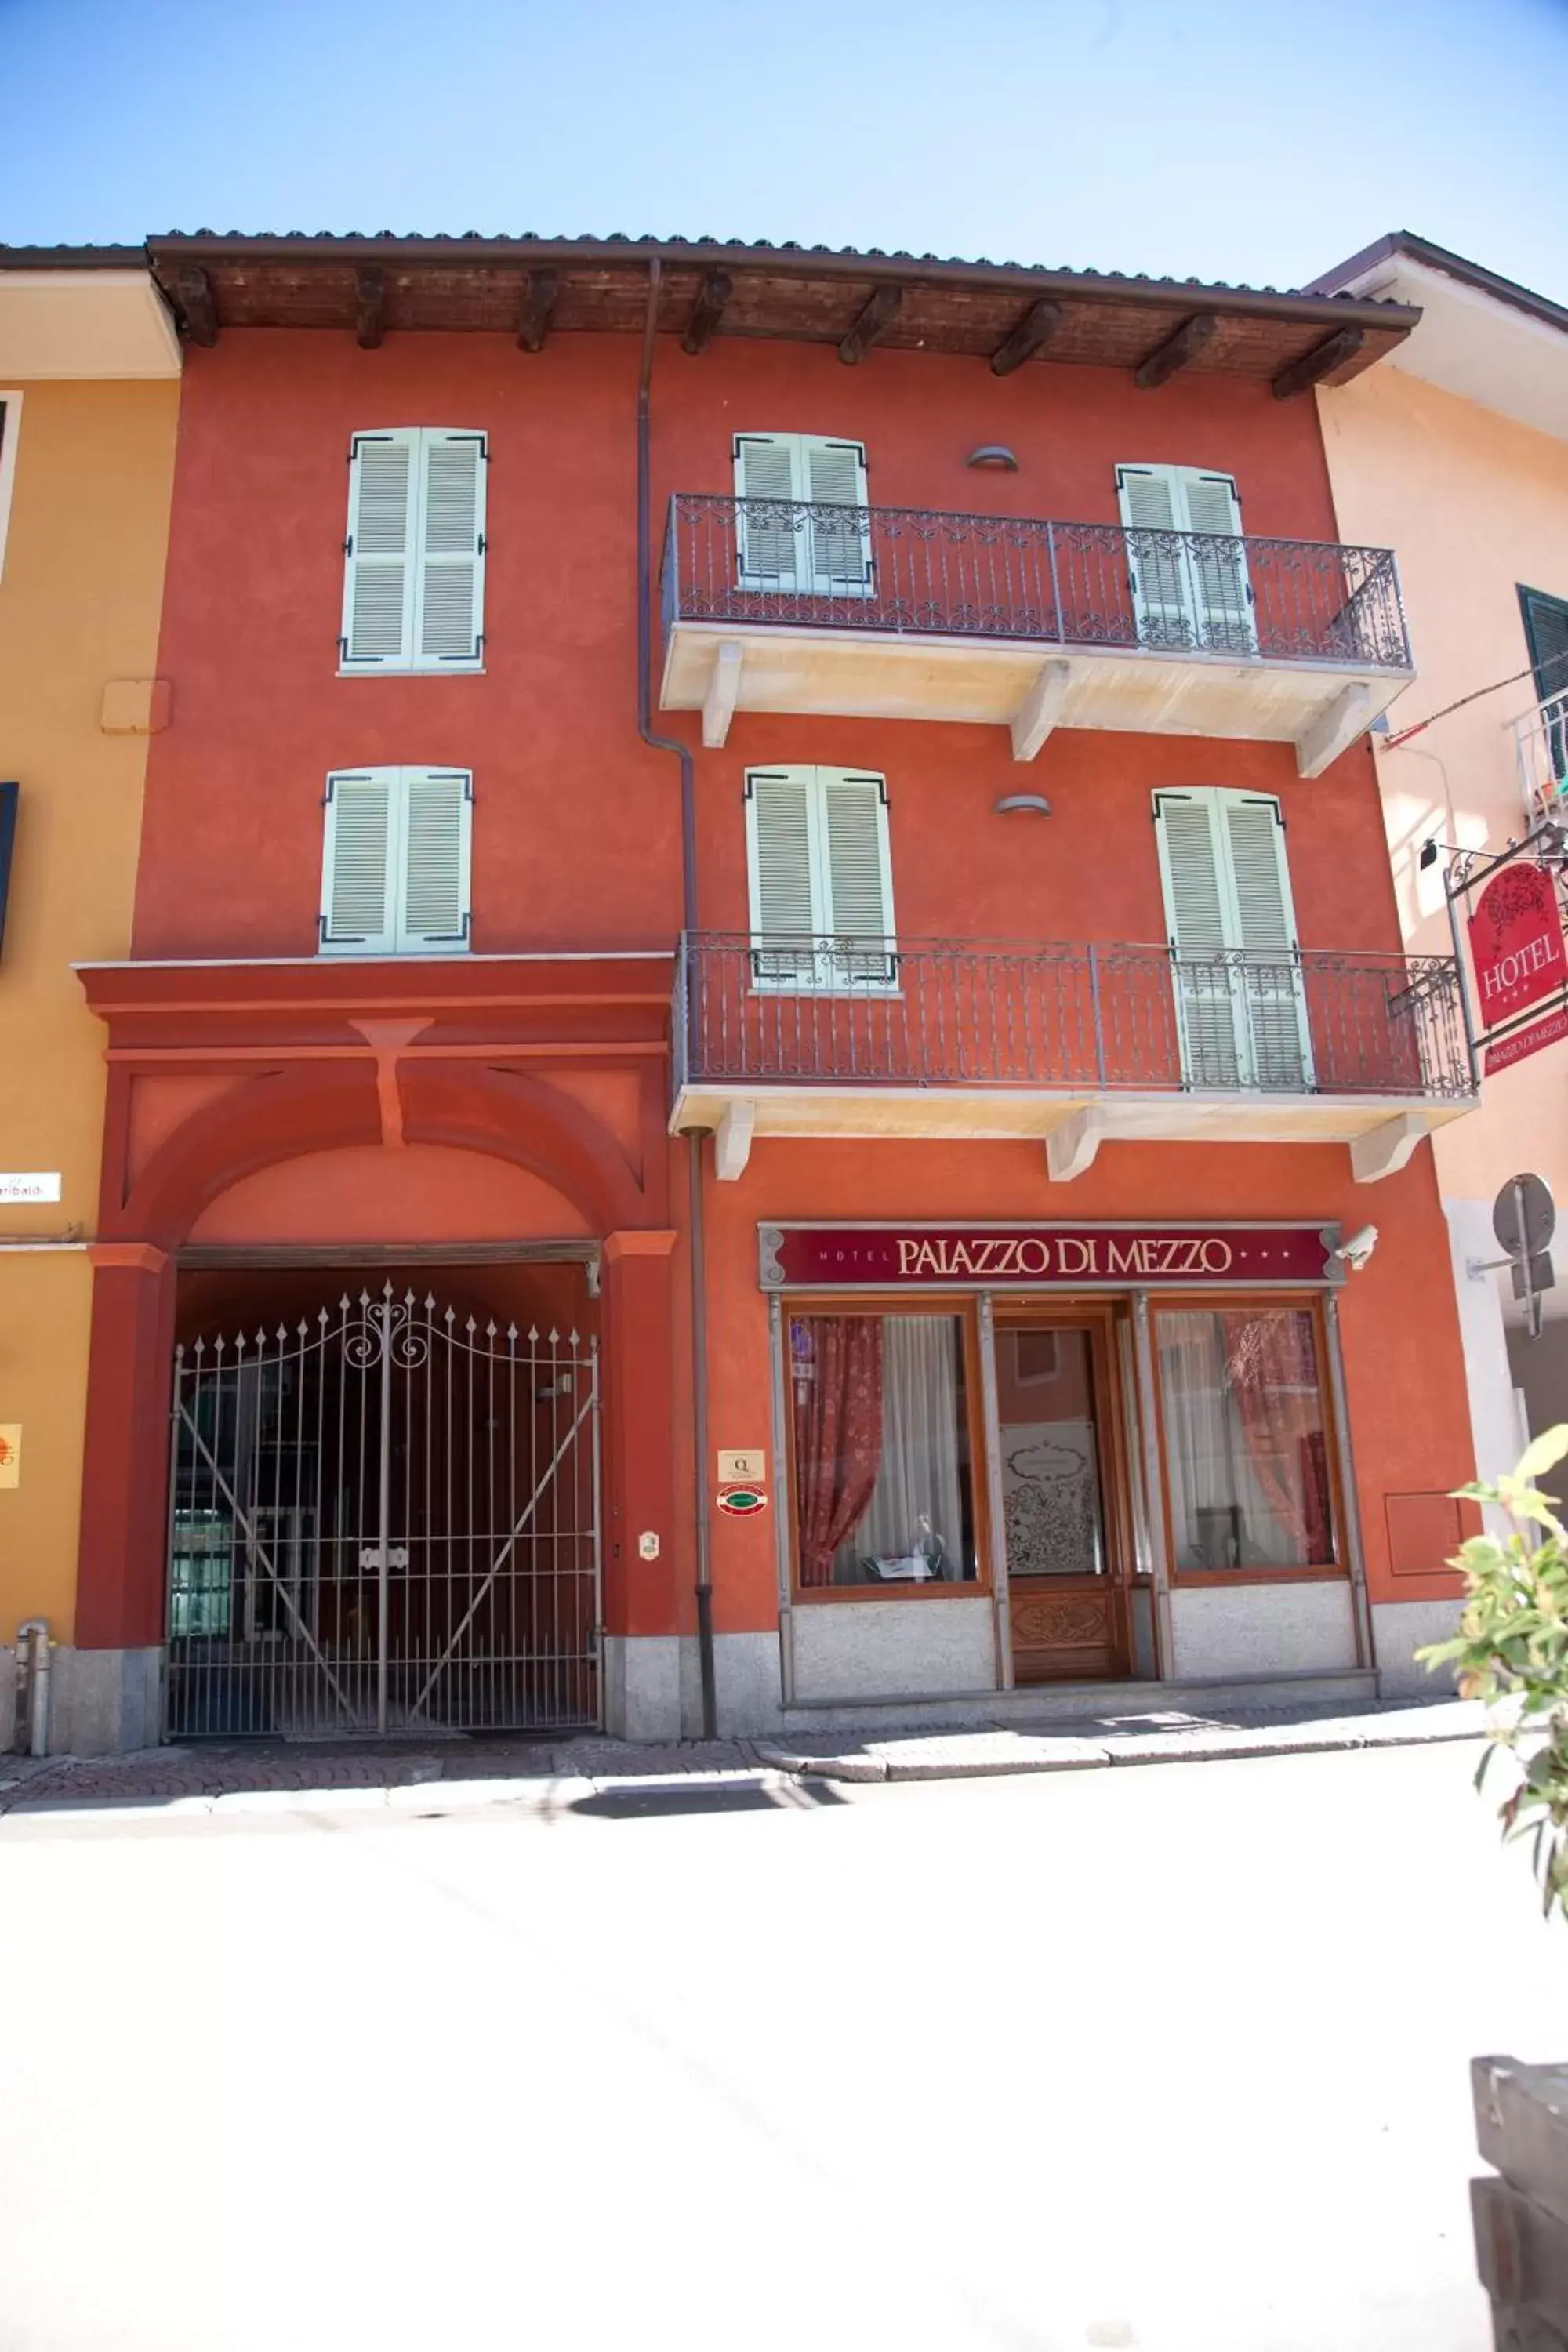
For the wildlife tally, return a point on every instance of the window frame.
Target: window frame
(424, 946)
(965, 1308)
(10, 433)
(804, 582)
(808, 979)
(1196, 609)
(1528, 599)
(417, 665)
(1214, 799)
(1339, 1571)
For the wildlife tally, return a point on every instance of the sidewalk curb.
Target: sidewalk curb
(1046, 1752)
(174, 1785)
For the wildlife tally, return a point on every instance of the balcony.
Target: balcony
(887, 612)
(1541, 747)
(1074, 1044)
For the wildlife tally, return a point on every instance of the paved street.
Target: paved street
(1172, 2057)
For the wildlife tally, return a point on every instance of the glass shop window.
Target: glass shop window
(883, 1487)
(1246, 1455)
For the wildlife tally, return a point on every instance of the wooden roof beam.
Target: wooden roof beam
(1032, 334)
(707, 311)
(1194, 335)
(538, 306)
(370, 302)
(1299, 375)
(193, 292)
(874, 320)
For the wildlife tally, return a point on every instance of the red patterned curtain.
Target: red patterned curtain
(837, 1432)
(1271, 1365)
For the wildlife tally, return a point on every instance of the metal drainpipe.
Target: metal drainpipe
(688, 923)
(33, 1675)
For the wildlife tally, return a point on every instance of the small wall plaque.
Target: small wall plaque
(747, 1466)
(39, 1184)
(10, 1452)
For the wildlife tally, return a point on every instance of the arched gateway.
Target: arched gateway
(380, 1398)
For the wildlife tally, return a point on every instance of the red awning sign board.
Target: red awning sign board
(1519, 960)
(1002, 1257)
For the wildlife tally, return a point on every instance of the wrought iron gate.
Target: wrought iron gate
(383, 1519)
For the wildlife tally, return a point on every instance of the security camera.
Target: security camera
(1358, 1249)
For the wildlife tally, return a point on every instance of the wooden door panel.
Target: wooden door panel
(1070, 1630)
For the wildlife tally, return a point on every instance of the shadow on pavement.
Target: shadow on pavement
(647, 1801)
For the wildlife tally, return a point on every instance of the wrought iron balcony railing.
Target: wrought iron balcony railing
(1540, 745)
(1074, 1017)
(785, 563)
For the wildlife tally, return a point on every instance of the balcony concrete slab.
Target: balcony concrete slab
(960, 1114)
(720, 669)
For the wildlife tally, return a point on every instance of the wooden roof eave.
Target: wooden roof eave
(469, 284)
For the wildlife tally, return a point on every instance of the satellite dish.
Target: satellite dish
(1524, 1216)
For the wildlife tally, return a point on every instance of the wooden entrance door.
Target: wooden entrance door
(1063, 1521)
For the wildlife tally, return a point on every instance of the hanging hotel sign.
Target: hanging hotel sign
(1517, 950)
(1010, 1257)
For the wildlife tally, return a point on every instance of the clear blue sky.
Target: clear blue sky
(1250, 139)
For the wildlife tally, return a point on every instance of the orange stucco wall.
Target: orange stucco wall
(1475, 504)
(576, 824)
(79, 606)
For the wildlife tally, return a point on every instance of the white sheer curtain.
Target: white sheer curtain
(1221, 1513)
(918, 1490)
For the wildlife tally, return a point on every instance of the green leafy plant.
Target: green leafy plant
(1511, 1650)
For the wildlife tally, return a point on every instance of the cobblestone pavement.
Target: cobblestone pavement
(200, 1778)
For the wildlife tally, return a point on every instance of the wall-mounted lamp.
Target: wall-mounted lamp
(994, 453)
(1023, 804)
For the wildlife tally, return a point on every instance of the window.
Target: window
(883, 1497)
(1240, 1004)
(1193, 590)
(1546, 634)
(821, 879)
(1246, 1438)
(414, 569)
(394, 878)
(781, 547)
(10, 425)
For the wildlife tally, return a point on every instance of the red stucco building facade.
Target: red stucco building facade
(705, 1213)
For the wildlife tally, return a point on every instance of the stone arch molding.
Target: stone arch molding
(286, 1113)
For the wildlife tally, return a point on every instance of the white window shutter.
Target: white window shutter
(433, 890)
(782, 868)
(359, 862)
(835, 476)
(451, 568)
(1197, 916)
(1223, 593)
(1190, 869)
(1240, 996)
(378, 550)
(1149, 498)
(769, 546)
(1212, 504)
(857, 867)
(1266, 929)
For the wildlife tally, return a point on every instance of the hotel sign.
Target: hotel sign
(1012, 1258)
(1516, 947)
